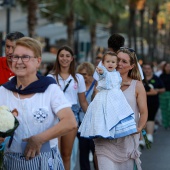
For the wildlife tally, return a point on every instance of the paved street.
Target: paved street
(158, 157)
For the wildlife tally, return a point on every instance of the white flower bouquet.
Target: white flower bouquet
(8, 124)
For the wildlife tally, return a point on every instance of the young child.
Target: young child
(109, 115)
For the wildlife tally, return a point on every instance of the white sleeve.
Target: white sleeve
(96, 76)
(58, 100)
(81, 83)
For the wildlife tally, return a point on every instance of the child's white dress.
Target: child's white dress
(109, 115)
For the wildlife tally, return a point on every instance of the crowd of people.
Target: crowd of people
(104, 105)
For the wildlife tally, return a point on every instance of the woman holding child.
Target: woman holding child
(122, 153)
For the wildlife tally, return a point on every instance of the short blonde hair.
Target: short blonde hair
(89, 67)
(32, 44)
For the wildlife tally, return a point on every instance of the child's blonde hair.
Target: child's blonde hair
(108, 53)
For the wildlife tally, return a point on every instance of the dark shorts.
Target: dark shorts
(75, 108)
(152, 110)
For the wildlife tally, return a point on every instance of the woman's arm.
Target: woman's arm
(66, 124)
(152, 92)
(83, 102)
(142, 105)
(160, 90)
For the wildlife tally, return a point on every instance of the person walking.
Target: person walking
(86, 145)
(153, 86)
(165, 97)
(123, 153)
(39, 102)
(5, 62)
(74, 88)
(115, 41)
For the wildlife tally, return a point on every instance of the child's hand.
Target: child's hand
(99, 70)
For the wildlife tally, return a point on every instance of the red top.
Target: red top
(5, 72)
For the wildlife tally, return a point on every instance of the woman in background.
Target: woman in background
(86, 145)
(122, 153)
(74, 88)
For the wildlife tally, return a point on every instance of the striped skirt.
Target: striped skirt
(45, 161)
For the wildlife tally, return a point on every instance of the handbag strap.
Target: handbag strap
(88, 91)
(67, 85)
(93, 83)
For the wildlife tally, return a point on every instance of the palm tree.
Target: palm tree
(103, 12)
(141, 8)
(31, 6)
(63, 11)
(89, 17)
(69, 9)
(153, 10)
(32, 17)
(132, 25)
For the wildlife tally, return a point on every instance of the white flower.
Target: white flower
(7, 119)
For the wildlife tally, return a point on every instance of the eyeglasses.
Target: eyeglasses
(126, 48)
(24, 58)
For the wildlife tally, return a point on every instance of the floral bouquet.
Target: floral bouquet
(147, 142)
(8, 124)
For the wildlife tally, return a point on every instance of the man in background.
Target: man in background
(5, 62)
(115, 41)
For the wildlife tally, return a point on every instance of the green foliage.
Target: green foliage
(88, 11)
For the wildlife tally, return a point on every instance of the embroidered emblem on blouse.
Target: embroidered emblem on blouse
(75, 85)
(40, 115)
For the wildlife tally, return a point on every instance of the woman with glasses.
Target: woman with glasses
(74, 88)
(34, 143)
(122, 153)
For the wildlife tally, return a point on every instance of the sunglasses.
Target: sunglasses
(126, 48)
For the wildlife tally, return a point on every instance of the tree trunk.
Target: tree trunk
(114, 26)
(32, 17)
(93, 42)
(154, 18)
(70, 25)
(149, 36)
(141, 33)
(132, 29)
